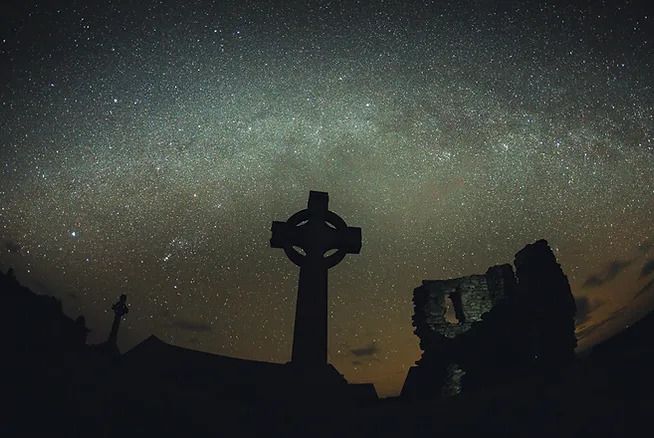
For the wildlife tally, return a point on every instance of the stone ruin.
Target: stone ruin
(450, 307)
(486, 329)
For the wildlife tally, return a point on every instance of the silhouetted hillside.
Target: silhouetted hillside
(53, 382)
(35, 324)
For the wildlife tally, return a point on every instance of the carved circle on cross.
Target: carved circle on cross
(301, 218)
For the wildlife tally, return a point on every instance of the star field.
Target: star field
(146, 150)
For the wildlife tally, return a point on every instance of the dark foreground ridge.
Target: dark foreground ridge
(498, 361)
(54, 382)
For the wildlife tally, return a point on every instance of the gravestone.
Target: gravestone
(316, 239)
(120, 309)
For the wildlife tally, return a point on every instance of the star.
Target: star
(473, 134)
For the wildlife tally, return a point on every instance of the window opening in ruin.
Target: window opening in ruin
(454, 308)
(450, 313)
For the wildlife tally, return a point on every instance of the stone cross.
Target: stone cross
(324, 239)
(120, 309)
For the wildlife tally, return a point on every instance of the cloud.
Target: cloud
(191, 326)
(648, 268)
(607, 274)
(584, 308)
(649, 287)
(587, 331)
(12, 246)
(365, 351)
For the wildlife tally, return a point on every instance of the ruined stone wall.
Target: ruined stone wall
(490, 327)
(444, 310)
(547, 302)
(450, 307)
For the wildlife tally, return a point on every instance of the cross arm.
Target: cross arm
(348, 239)
(283, 235)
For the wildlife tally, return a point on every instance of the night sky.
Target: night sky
(147, 147)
